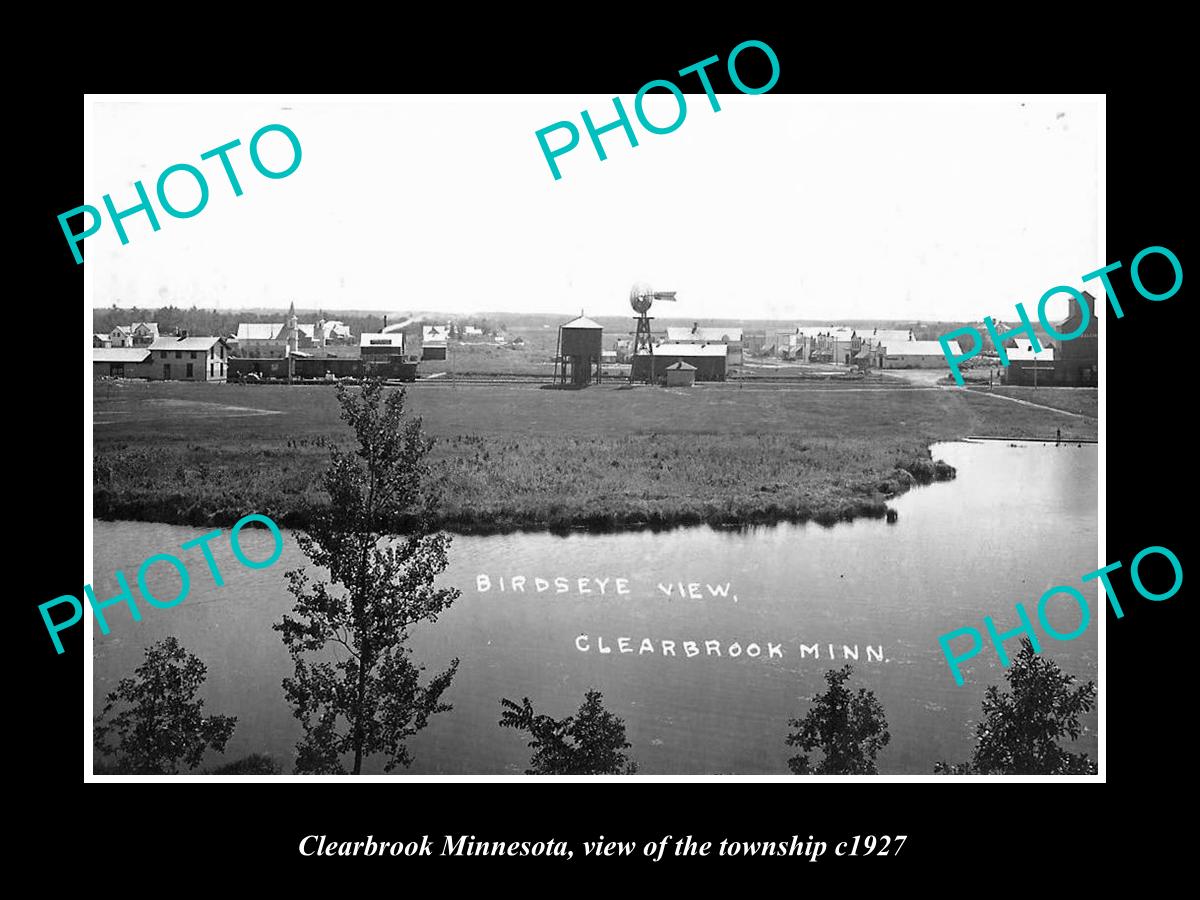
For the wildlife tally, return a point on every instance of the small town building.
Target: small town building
(1078, 361)
(144, 333)
(916, 354)
(681, 374)
(337, 332)
(120, 362)
(827, 343)
(433, 341)
(381, 352)
(1029, 367)
(266, 340)
(186, 358)
(120, 336)
(101, 340)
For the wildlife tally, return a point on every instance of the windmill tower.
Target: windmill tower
(641, 297)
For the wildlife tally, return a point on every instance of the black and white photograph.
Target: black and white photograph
(707, 433)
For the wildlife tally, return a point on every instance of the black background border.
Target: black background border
(1146, 408)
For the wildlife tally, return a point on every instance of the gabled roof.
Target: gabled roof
(258, 331)
(681, 366)
(120, 354)
(187, 343)
(886, 335)
(840, 332)
(434, 333)
(1025, 353)
(583, 322)
(919, 348)
(715, 333)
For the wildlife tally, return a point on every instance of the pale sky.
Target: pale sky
(778, 206)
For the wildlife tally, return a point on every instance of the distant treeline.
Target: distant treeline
(225, 322)
(218, 321)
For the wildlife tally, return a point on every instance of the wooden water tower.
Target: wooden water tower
(579, 344)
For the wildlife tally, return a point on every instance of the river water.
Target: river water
(1019, 518)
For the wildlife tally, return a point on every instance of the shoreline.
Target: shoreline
(865, 500)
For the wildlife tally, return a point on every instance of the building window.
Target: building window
(193, 354)
(178, 354)
(162, 354)
(189, 370)
(166, 370)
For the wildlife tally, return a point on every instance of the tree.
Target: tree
(849, 728)
(376, 540)
(162, 723)
(1021, 728)
(591, 742)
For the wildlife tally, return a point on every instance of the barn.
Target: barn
(709, 361)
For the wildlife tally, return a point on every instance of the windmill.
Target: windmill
(641, 297)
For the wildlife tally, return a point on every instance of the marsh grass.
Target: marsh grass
(510, 458)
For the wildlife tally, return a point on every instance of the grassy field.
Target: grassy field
(512, 457)
(1084, 401)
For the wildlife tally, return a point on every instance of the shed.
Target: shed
(681, 374)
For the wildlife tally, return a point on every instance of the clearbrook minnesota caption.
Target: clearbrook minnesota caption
(562, 587)
(469, 845)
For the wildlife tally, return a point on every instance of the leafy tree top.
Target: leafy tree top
(1022, 727)
(849, 728)
(162, 722)
(591, 742)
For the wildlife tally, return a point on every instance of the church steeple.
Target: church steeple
(293, 341)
